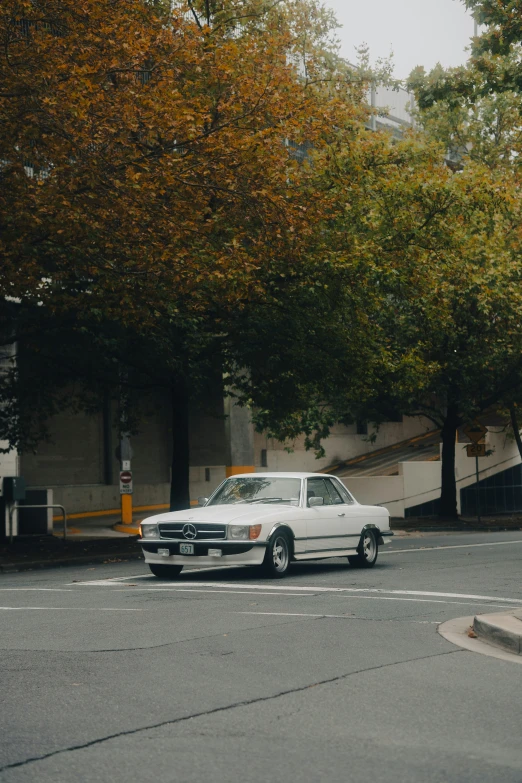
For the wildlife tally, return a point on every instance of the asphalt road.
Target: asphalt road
(333, 674)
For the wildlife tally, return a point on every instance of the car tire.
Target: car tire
(165, 571)
(277, 556)
(367, 551)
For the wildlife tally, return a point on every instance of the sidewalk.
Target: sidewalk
(464, 524)
(106, 526)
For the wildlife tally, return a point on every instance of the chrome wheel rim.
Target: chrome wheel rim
(369, 547)
(280, 554)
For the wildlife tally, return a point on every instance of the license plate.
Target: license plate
(164, 552)
(186, 549)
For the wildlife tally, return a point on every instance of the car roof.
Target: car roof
(282, 475)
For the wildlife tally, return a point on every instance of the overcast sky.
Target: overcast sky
(419, 32)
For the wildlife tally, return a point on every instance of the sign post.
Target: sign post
(125, 456)
(476, 432)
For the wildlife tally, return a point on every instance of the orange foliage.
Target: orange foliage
(144, 157)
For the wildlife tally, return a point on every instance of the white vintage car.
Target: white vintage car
(268, 520)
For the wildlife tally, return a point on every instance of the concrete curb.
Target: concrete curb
(12, 568)
(501, 629)
(457, 632)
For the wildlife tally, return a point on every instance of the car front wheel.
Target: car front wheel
(165, 571)
(277, 557)
(367, 551)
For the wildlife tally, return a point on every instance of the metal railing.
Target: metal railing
(16, 507)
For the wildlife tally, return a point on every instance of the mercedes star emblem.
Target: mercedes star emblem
(189, 531)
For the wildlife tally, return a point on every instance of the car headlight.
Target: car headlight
(149, 531)
(238, 532)
(244, 532)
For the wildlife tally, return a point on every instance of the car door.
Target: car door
(349, 519)
(322, 522)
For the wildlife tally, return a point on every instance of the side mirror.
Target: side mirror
(315, 502)
(202, 501)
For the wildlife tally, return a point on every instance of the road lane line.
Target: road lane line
(67, 609)
(423, 601)
(444, 546)
(37, 589)
(347, 592)
(230, 586)
(194, 590)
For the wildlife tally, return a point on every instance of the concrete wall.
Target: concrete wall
(9, 466)
(240, 438)
(417, 482)
(73, 465)
(385, 491)
(420, 482)
(97, 497)
(504, 455)
(343, 444)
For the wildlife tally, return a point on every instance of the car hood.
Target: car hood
(239, 514)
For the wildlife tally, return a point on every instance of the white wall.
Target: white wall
(505, 455)
(387, 491)
(343, 444)
(420, 482)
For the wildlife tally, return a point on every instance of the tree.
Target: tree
(479, 125)
(153, 180)
(437, 257)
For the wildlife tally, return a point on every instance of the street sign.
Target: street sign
(476, 449)
(125, 482)
(475, 431)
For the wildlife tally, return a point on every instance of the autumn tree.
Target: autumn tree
(153, 181)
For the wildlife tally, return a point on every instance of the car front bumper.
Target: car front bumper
(232, 552)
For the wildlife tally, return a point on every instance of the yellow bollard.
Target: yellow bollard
(126, 509)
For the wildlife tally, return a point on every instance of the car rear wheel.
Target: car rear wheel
(165, 571)
(277, 557)
(367, 551)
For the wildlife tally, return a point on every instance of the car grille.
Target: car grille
(170, 530)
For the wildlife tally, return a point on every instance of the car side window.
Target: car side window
(347, 498)
(334, 494)
(316, 488)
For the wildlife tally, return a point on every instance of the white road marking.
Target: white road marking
(449, 546)
(194, 590)
(36, 589)
(185, 571)
(66, 609)
(281, 590)
(420, 600)
(268, 589)
(340, 616)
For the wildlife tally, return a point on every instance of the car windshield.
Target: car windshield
(258, 489)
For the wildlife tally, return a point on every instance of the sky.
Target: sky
(419, 32)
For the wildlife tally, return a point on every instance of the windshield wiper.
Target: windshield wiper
(266, 500)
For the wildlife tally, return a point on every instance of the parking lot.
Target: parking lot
(334, 673)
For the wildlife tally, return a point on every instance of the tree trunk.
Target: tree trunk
(516, 431)
(448, 498)
(179, 482)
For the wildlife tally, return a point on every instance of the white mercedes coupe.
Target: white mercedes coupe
(268, 520)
